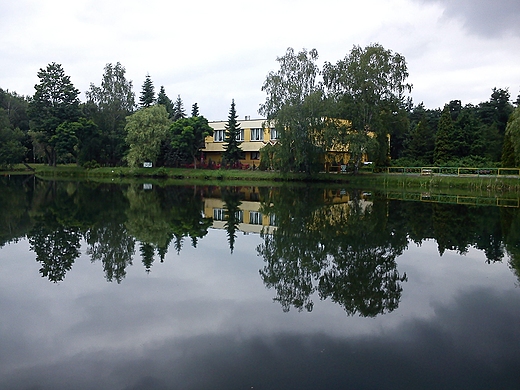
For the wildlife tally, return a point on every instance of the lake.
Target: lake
(144, 286)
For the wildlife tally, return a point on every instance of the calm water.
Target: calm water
(106, 286)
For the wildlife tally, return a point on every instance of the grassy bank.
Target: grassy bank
(237, 177)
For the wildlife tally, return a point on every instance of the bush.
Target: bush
(93, 164)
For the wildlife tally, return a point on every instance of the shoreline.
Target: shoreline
(402, 181)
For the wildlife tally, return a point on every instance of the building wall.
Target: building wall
(256, 132)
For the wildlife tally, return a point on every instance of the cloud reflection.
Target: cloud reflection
(458, 348)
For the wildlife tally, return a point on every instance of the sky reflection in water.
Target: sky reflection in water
(203, 319)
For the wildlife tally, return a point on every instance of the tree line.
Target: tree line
(361, 101)
(109, 129)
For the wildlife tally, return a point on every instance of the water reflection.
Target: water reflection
(316, 243)
(341, 247)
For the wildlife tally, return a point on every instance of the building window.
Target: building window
(218, 136)
(240, 135)
(274, 134)
(256, 134)
(255, 218)
(272, 220)
(239, 216)
(219, 214)
(255, 155)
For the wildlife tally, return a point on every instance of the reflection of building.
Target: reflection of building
(250, 218)
(254, 135)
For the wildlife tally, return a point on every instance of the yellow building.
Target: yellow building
(254, 135)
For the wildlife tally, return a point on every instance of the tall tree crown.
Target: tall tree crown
(147, 97)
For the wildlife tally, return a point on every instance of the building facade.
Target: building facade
(254, 135)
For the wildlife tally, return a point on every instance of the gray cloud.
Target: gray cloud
(483, 17)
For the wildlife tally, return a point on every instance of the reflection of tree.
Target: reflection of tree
(293, 253)
(108, 239)
(56, 246)
(344, 251)
(511, 227)
(114, 247)
(14, 216)
(58, 229)
(147, 221)
(187, 220)
(157, 217)
(363, 274)
(454, 227)
(232, 202)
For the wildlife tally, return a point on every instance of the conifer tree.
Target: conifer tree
(195, 110)
(147, 97)
(421, 142)
(163, 99)
(443, 148)
(232, 151)
(178, 109)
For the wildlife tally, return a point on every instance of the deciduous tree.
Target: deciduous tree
(110, 104)
(511, 151)
(188, 135)
(369, 86)
(12, 150)
(294, 103)
(145, 130)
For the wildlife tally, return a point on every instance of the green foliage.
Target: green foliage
(178, 109)
(91, 165)
(147, 97)
(369, 87)
(12, 150)
(187, 137)
(163, 99)
(295, 104)
(270, 157)
(54, 102)
(195, 109)
(232, 151)
(146, 129)
(443, 140)
(421, 143)
(65, 142)
(511, 151)
(108, 106)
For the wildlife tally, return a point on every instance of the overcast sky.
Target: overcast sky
(210, 52)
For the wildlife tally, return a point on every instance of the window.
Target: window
(255, 155)
(272, 220)
(274, 133)
(255, 218)
(256, 134)
(239, 216)
(218, 136)
(219, 214)
(240, 135)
